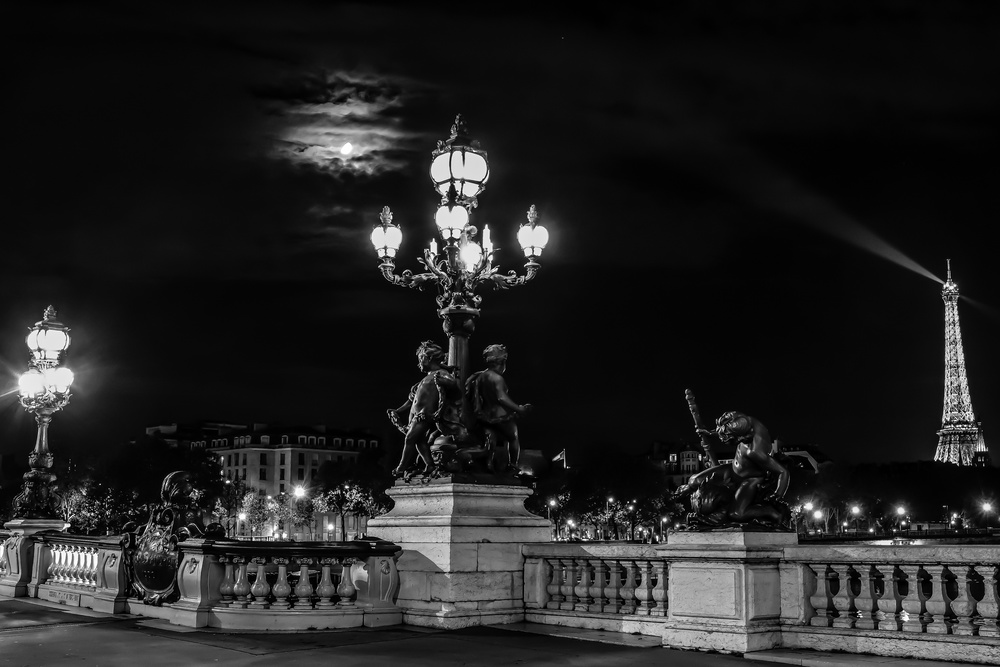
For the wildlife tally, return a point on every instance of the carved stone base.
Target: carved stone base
(461, 563)
(725, 590)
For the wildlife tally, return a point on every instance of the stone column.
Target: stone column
(725, 590)
(461, 563)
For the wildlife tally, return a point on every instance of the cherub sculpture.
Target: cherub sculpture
(495, 412)
(433, 409)
(750, 489)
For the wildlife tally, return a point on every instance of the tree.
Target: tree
(257, 510)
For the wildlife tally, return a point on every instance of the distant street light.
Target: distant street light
(987, 508)
(900, 511)
(299, 492)
(808, 507)
(44, 390)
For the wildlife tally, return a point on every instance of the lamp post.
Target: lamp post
(242, 516)
(548, 508)
(462, 266)
(987, 508)
(44, 390)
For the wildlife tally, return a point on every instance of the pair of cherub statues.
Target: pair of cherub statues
(439, 438)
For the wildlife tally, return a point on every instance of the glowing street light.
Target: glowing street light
(463, 266)
(808, 507)
(900, 511)
(299, 492)
(44, 390)
(987, 508)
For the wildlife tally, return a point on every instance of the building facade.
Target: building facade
(272, 460)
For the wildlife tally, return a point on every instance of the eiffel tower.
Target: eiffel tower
(960, 440)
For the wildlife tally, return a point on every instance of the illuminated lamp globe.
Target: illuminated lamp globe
(299, 492)
(31, 383)
(818, 514)
(459, 164)
(471, 255)
(48, 338)
(386, 239)
(451, 220)
(58, 379)
(532, 239)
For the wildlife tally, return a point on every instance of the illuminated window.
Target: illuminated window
(265, 440)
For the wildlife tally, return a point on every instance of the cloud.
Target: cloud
(315, 114)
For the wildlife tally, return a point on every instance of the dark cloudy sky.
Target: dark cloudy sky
(754, 200)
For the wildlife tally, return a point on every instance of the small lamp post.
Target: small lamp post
(44, 390)
(987, 508)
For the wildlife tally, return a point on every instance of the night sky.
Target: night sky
(752, 200)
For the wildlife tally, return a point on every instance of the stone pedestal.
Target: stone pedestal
(18, 552)
(724, 590)
(461, 563)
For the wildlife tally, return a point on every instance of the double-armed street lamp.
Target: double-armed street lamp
(462, 266)
(44, 390)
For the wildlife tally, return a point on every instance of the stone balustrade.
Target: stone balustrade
(615, 587)
(269, 585)
(939, 601)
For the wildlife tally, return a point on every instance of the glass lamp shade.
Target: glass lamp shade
(451, 220)
(47, 343)
(463, 167)
(31, 383)
(532, 239)
(471, 255)
(386, 239)
(58, 379)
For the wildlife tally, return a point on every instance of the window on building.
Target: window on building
(302, 458)
(673, 458)
(284, 439)
(263, 458)
(361, 444)
(312, 439)
(336, 442)
(322, 440)
(265, 440)
(302, 474)
(244, 458)
(282, 488)
(282, 459)
(263, 474)
(350, 442)
(281, 473)
(312, 474)
(302, 439)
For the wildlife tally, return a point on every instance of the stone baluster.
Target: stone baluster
(937, 605)
(843, 601)
(597, 584)
(53, 569)
(627, 591)
(989, 606)
(612, 592)
(964, 604)
(659, 589)
(890, 602)
(867, 599)
(913, 599)
(89, 567)
(60, 554)
(822, 598)
(554, 587)
(281, 590)
(226, 587)
(260, 588)
(346, 589)
(326, 590)
(568, 587)
(644, 588)
(241, 587)
(304, 589)
(582, 588)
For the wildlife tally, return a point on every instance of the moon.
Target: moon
(346, 148)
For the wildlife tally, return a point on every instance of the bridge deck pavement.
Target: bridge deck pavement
(44, 634)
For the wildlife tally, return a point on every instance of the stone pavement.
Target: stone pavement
(41, 633)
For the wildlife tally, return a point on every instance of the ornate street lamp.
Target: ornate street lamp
(44, 390)
(462, 266)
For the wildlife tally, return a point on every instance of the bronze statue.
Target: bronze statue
(750, 489)
(433, 409)
(495, 412)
